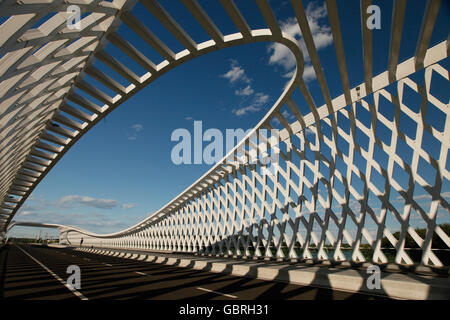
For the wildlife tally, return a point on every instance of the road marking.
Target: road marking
(216, 292)
(141, 273)
(107, 264)
(74, 291)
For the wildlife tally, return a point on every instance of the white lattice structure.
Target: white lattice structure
(319, 200)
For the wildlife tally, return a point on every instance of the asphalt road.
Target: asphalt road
(28, 272)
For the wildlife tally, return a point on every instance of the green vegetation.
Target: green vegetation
(437, 243)
(28, 240)
(440, 249)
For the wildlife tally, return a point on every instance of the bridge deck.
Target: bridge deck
(401, 282)
(110, 277)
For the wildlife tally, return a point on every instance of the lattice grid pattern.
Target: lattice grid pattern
(285, 216)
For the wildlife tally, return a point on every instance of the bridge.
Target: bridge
(353, 164)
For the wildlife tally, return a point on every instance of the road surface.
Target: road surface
(28, 272)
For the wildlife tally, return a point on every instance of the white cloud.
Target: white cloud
(253, 101)
(281, 55)
(309, 131)
(62, 212)
(137, 127)
(309, 73)
(289, 74)
(245, 110)
(236, 73)
(126, 206)
(420, 197)
(74, 200)
(261, 98)
(425, 196)
(247, 91)
(322, 37)
(287, 115)
(92, 221)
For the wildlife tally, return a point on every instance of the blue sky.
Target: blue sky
(121, 170)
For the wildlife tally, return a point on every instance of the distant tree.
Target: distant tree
(437, 242)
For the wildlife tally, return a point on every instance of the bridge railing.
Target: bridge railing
(351, 186)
